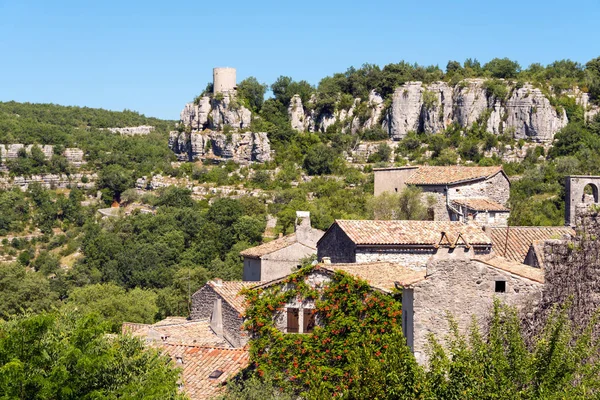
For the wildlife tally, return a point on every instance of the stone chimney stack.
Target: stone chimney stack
(303, 227)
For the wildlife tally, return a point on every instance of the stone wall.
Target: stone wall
(282, 262)
(464, 288)
(571, 269)
(50, 181)
(203, 302)
(412, 258)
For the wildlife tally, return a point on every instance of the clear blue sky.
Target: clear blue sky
(154, 56)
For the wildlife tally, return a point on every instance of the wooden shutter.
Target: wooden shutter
(308, 323)
(292, 320)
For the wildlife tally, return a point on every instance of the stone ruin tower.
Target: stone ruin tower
(580, 189)
(224, 80)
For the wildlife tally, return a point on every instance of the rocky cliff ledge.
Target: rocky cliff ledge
(215, 113)
(524, 112)
(239, 147)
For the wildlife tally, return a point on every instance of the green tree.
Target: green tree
(24, 291)
(115, 178)
(114, 304)
(68, 356)
(319, 160)
(502, 68)
(253, 92)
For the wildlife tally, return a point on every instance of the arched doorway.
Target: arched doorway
(590, 193)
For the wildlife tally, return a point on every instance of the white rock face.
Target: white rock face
(240, 147)
(133, 130)
(375, 103)
(214, 114)
(406, 109)
(437, 115)
(470, 101)
(228, 112)
(531, 115)
(11, 151)
(296, 114)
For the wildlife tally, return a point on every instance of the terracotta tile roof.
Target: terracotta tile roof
(513, 242)
(230, 292)
(369, 232)
(176, 331)
(198, 362)
(516, 268)
(269, 247)
(480, 204)
(380, 275)
(429, 175)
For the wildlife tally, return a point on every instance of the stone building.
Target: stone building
(298, 315)
(410, 243)
(282, 256)
(220, 303)
(581, 189)
(207, 361)
(460, 193)
(465, 285)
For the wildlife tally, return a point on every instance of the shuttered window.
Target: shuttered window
(292, 320)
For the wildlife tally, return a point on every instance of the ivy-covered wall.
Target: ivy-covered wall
(351, 317)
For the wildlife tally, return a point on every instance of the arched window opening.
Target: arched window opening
(590, 194)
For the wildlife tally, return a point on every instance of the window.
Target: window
(308, 320)
(292, 320)
(500, 286)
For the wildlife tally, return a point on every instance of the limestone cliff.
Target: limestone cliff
(215, 113)
(239, 147)
(525, 112)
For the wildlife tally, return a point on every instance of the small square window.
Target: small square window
(500, 287)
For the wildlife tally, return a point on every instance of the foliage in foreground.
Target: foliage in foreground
(360, 352)
(65, 356)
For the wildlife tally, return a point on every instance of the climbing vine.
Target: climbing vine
(351, 317)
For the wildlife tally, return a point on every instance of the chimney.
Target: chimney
(217, 282)
(216, 319)
(303, 227)
(326, 260)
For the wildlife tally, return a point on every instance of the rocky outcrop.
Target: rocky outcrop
(51, 181)
(215, 113)
(296, 114)
(526, 112)
(11, 151)
(532, 116)
(239, 147)
(405, 112)
(133, 130)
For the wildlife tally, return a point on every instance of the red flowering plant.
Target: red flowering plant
(351, 316)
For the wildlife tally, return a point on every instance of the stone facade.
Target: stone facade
(280, 257)
(464, 287)
(575, 188)
(496, 188)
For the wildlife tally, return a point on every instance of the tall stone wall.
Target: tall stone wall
(572, 268)
(463, 288)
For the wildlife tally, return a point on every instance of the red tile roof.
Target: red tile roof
(230, 292)
(513, 242)
(480, 204)
(401, 232)
(198, 362)
(269, 247)
(175, 330)
(380, 275)
(429, 175)
(516, 268)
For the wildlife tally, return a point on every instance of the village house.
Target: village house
(460, 193)
(410, 243)
(207, 360)
(281, 256)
